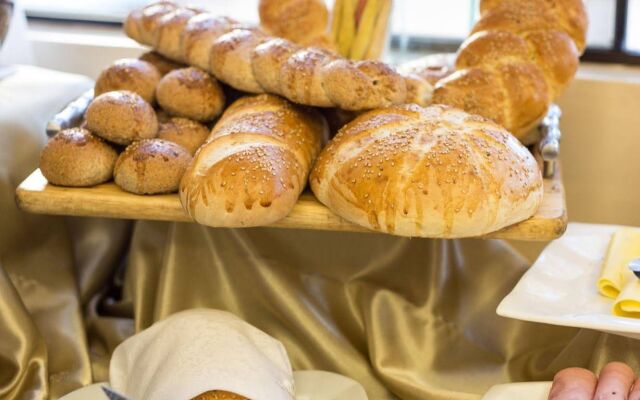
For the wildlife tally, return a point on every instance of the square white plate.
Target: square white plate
(520, 391)
(310, 385)
(561, 286)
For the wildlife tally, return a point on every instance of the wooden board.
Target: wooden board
(36, 195)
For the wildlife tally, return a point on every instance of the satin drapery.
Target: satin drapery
(408, 318)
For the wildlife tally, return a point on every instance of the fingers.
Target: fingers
(615, 382)
(635, 391)
(573, 384)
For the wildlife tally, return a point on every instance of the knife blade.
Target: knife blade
(634, 266)
(112, 394)
(71, 115)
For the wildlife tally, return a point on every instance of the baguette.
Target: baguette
(255, 163)
(252, 61)
(520, 57)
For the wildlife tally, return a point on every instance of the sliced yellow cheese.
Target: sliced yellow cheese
(623, 247)
(628, 302)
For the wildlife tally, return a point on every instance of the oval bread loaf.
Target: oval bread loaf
(255, 163)
(432, 172)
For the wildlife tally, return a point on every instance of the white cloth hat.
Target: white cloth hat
(196, 351)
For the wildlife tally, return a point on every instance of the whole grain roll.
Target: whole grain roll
(219, 395)
(130, 74)
(75, 157)
(190, 93)
(121, 117)
(185, 132)
(151, 166)
(162, 64)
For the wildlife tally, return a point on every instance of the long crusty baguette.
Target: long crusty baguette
(255, 163)
(252, 61)
(520, 57)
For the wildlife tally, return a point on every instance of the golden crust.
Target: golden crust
(363, 85)
(162, 64)
(129, 74)
(267, 60)
(191, 93)
(151, 166)
(297, 20)
(121, 117)
(219, 395)
(141, 25)
(430, 172)
(185, 132)
(199, 34)
(231, 59)
(166, 36)
(255, 163)
(300, 77)
(75, 157)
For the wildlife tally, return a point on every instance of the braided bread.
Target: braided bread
(250, 60)
(255, 163)
(520, 57)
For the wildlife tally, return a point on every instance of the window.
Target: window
(429, 25)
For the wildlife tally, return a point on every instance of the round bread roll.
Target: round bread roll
(75, 157)
(219, 395)
(151, 166)
(190, 93)
(431, 172)
(121, 117)
(185, 132)
(162, 64)
(296, 20)
(130, 74)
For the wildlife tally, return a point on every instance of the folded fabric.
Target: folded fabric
(197, 351)
(623, 247)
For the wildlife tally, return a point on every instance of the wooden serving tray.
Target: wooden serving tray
(36, 195)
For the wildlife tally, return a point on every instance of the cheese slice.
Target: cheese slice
(623, 247)
(628, 302)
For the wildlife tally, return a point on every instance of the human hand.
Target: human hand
(617, 381)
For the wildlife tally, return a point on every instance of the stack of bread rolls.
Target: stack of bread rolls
(250, 60)
(145, 150)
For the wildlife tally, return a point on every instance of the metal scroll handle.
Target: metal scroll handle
(71, 115)
(550, 136)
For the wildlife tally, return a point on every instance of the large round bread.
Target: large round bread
(296, 20)
(432, 172)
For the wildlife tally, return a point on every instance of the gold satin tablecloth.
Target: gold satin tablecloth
(407, 318)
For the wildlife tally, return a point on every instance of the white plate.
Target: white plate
(520, 391)
(310, 385)
(561, 286)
